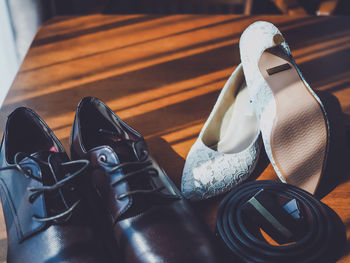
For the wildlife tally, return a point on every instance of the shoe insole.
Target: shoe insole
(239, 125)
(299, 132)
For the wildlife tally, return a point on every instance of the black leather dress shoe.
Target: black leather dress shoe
(150, 219)
(46, 218)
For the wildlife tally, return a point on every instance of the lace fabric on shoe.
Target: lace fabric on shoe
(20, 163)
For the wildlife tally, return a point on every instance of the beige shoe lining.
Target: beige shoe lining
(234, 125)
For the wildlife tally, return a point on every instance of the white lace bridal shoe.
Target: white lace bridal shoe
(293, 120)
(228, 146)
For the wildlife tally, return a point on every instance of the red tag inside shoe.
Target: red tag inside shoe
(53, 149)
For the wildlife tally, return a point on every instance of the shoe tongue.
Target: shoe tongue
(125, 151)
(55, 201)
(124, 148)
(127, 148)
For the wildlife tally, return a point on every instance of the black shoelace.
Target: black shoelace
(37, 191)
(143, 167)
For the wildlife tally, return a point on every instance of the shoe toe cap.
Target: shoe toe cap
(191, 187)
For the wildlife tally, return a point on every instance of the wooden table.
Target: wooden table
(162, 75)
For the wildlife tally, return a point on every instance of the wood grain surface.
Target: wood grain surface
(162, 75)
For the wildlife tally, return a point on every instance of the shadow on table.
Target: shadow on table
(173, 164)
(168, 159)
(337, 162)
(347, 245)
(338, 159)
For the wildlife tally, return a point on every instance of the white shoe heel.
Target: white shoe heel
(293, 121)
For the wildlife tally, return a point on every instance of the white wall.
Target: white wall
(9, 61)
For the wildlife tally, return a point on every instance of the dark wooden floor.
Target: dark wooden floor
(162, 75)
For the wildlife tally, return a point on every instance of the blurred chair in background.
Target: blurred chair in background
(319, 7)
(180, 6)
(327, 7)
(290, 7)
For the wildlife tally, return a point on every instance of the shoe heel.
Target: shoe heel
(294, 126)
(299, 134)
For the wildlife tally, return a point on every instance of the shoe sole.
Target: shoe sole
(299, 134)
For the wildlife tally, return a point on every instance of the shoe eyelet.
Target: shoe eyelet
(102, 158)
(144, 154)
(28, 172)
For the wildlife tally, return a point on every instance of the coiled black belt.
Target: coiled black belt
(314, 233)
